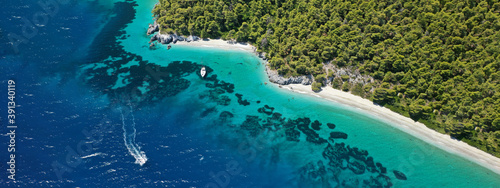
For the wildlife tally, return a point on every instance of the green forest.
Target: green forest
(437, 62)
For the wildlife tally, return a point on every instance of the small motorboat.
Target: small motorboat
(203, 72)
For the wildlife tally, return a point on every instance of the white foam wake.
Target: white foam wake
(129, 131)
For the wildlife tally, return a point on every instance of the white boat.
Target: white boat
(203, 72)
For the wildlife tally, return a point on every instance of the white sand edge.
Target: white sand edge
(417, 129)
(218, 43)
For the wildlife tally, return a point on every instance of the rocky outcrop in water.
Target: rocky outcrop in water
(172, 38)
(153, 28)
(167, 38)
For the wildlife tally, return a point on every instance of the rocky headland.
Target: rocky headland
(167, 38)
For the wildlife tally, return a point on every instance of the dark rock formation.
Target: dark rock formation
(336, 153)
(312, 136)
(358, 153)
(274, 122)
(241, 101)
(337, 135)
(266, 110)
(337, 157)
(316, 125)
(379, 181)
(382, 169)
(228, 87)
(331, 125)
(399, 175)
(252, 125)
(370, 165)
(356, 167)
(292, 134)
(216, 95)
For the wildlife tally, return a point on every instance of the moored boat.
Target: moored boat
(203, 72)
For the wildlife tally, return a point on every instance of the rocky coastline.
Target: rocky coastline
(354, 76)
(167, 38)
(273, 75)
(276, 78)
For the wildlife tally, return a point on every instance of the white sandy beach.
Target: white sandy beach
(401, 122)
(218, 43)
(405, 124)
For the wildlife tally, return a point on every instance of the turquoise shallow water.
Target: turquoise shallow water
(424, 165)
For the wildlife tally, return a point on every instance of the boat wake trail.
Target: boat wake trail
(129, 131)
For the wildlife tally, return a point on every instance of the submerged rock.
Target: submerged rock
(356, 167)
(336, 153)
(290, 132)
(241, 101)
(337, 135)
(399, 175)
(266, 110)
(312, 136)
(379, 181)
(252, 125)
(358, 153)
(382, 169)
(274, 122)
(316, 125)
(370, 165)
(331, 125)
(166, 38)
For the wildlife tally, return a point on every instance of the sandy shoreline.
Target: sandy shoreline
(405, 124)
(396, 120)
(218, 43)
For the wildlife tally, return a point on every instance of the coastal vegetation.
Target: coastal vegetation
(437, 62)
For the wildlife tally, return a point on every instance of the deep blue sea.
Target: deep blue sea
(93, 103)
